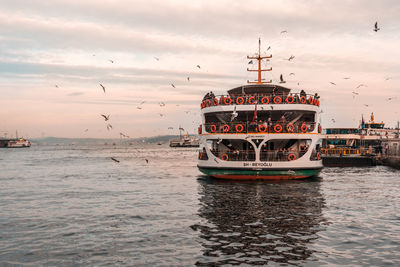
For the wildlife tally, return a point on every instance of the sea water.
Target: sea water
(72, 205)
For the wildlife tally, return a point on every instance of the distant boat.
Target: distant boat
(184, 140)
(159, 143)
(15, 143)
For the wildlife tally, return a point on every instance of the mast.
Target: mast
(259, 70)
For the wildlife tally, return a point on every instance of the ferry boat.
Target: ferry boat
(260, 131)
(184, 140)
(15, 143)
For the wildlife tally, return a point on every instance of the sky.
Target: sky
(55, 54)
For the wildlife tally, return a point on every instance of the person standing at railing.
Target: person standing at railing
(303, 93)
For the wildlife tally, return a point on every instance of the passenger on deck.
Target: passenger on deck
(302, 93)
(283, 119)
(212, 95)
(207, 96)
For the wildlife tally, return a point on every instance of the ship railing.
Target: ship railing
(260, 99)
(260, 127)
(281, 155)
(235, 155)
(340, 151)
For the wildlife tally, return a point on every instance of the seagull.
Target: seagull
(234, 114)
(106, 117)
(104, 89)
(346, 78)
(361, 85)
(285, 31)
(388, 78)
(56, 86)
(117, 161)
(109, 126)
(290, 58)
(390, 98)
(354, 93)
(188, 78)
(298, 84)
(139, 107)
(198, 66)
(170, 128)
(162, 104)
(86, 130)
(173, 85)
(366, 105)
(376, 27)
(147, 161)
(292, 73)
(271, 107)
(161, 115)
(250, 62)
(112, 61)
(333, 83)
(333, 120)
(269, 47)
(156, 58)
(281, 78)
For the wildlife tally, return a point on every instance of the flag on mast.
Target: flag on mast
(255, 113)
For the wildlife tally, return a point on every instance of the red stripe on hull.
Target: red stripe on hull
(260, 177)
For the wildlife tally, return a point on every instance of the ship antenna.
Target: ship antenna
(259, 70)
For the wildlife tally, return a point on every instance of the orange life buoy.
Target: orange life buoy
(227, 101)
(252, 100)
(319, 128)
(291, 157)
(239, 128)
(225, 157)
(199, 130)
(225, 128)
(239, 100)
(290, 127)
(318, 156)
(303, 100)
(303, 128)
(215, 102)
(310, 100)
(318, 102)
(262, 128)
(208, 103)
(202, 105)
(213, 128)
(289, 99)
(200, 155)
(265, 100)
(278, 128)
(277, 100)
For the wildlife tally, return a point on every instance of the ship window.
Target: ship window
(281, 149)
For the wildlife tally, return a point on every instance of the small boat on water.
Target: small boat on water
(185, 140)
(260, 131)
(15, 143)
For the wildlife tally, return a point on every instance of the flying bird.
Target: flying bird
(161, 115)
(366, 105)
(292, 73)
(156, 58)
(234, 114)
(388, 78)
(269, 47)
(290, 58)
(250, 62)
(361, 85)
(333, 120)
(198, 66)
(104, 89)
(139, 107)
(333, 83)
(86, 130)
(285, 31)
(56, 86)
(114, 159)
(162, 104)
(390, 98)
(147, 161)
(106, 117)
(170, 128)
(346, 78)
(188, 78)
(112, 61)
(109, 126)
(173, 85)
(354, 93)
(281, 79)
(376, 27)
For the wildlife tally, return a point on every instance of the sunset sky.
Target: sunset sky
(70, 44)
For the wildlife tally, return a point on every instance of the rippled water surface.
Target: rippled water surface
(73, 205)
